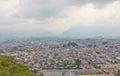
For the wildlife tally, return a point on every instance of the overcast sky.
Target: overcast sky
(82, 18)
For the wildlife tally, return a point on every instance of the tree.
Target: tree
(77, 63)
(65, 63)
(41, 74)
(96, 66)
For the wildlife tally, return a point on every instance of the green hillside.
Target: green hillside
(10, 67)
(118, 74)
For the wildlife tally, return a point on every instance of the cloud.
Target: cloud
(88, 21)
(8, 7)
(51, 8)
(59, 16)
(100, 2)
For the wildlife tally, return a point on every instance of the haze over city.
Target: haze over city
(60, 18)
(59, 37)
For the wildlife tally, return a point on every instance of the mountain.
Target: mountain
(78, 32)
(91, 32)
(24, 34)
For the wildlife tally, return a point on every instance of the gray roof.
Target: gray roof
(89, 72)
(78, 71)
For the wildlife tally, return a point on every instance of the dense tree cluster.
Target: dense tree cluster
(73, 44)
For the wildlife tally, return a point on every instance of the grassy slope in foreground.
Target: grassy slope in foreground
(118, 74)
(10, 67)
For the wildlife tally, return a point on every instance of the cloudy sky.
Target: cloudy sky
(70, 18)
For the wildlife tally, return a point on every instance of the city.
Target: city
(59, 37)
(87, 54)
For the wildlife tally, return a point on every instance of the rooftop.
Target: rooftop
(78, 71)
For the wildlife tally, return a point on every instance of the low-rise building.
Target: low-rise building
(74, 73)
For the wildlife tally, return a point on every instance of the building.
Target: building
(74, 73)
